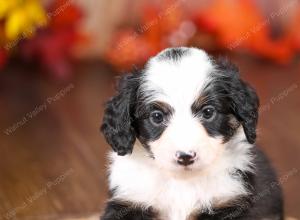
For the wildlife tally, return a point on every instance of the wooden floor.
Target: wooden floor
(52, 156)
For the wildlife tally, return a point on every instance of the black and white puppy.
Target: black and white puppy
(183, 131)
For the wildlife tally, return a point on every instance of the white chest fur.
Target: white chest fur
(175, 197)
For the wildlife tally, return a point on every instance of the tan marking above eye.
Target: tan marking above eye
(198, 103)
(166, 108)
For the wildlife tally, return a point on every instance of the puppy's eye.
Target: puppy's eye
(156, 117)
(208, 112)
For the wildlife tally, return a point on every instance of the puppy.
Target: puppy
(183, 132)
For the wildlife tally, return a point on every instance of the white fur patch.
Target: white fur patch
(177, 82)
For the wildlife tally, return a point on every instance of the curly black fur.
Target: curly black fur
(232, 96)
(244, 100)
(118, 116)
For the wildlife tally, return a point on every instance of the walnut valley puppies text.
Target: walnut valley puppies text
(39, 109)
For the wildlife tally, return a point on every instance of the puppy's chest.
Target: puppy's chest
(173, 198)
(177, 201)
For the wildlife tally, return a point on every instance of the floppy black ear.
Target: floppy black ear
(117, 121)
(244, 100)
(246, 107)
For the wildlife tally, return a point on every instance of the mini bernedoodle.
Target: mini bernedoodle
(183, 133)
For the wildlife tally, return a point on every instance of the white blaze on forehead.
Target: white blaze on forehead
(177, 82)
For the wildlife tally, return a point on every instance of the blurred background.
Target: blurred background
(59, 60)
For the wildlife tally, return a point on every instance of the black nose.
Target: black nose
(184, 158)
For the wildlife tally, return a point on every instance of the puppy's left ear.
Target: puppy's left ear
(244, 100)
(117, 121)
(246, 108)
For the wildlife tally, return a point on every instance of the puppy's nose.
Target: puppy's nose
(184, 158)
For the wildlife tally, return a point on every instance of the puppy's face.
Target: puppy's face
(183, 107)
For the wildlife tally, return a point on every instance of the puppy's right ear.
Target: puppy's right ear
(117, 121)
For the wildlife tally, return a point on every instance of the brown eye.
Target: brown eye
(156, 117)
(208, 112)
